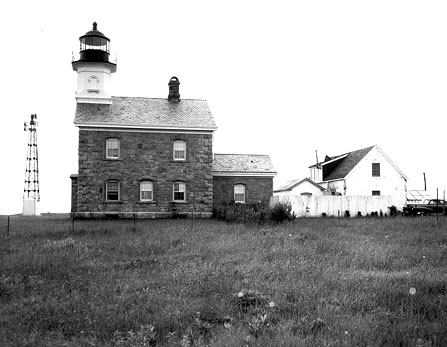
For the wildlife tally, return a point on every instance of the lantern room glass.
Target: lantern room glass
(94, 42)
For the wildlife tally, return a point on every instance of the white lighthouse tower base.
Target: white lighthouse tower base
(30, 207)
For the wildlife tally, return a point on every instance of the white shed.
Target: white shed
(305, 187)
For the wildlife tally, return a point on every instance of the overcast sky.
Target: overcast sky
(283, 78)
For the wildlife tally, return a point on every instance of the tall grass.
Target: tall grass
(323, 281)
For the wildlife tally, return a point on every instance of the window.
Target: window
(376, 192)
(112, 190)
(146, 191)
(112, 148)
(179, 150)
(239, 193)
(179, 191)
(376, 169)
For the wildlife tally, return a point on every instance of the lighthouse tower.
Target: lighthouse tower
(94, 68)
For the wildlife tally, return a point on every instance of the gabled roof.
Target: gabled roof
(288, 186)
(338, 167)
(341, 166)
(146, 113)
(243, 165)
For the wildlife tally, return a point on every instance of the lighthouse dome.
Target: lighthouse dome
(94, 46)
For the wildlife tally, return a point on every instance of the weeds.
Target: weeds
(323, 281)
(255, 214)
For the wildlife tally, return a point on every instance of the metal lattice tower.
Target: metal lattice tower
(31, 190)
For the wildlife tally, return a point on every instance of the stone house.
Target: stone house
(367, 171)
(151, 156)
(243, 178)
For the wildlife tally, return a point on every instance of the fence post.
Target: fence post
(192, 217)
(192, 211)
(72, 222)
(7, 237)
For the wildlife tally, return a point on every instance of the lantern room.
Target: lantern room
(94, 46)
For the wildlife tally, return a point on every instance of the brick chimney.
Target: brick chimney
(174, 93)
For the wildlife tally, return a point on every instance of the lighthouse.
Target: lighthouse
(94, 68)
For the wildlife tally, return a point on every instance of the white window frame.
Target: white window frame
(179, 187)
(146, 187)
(113, 144)
(179, 150)
(239, 189)
(108, 190)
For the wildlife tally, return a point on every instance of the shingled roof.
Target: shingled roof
(340, 166)
(136, 112)
(243, 164)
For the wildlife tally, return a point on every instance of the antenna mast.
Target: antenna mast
(31, 194)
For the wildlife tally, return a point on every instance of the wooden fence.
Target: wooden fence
(315, 206)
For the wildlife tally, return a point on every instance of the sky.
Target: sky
(284, 78)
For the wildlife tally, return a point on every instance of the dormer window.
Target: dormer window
(179, 150)
(112, 148)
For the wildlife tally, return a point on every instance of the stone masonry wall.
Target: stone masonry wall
(257, 189)
(145, 156)
(74, 193)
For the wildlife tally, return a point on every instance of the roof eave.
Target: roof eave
(282, 190)
(142, 127)
(392, 164)
(244, 174)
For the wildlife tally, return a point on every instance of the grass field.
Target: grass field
(310, 282)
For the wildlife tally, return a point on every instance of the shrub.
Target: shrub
(393, 211)
(282, 211)
(254, 213)
(242, 213)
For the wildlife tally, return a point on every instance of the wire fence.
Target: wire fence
(15, 229)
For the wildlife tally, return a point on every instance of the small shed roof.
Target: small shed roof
(289, 185)
(149, 113)
(418, 196)
(243, 164)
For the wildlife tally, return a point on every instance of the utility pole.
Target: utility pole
(443, 204)
(437, 204)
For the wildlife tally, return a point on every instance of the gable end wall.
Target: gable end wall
(390, 182)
